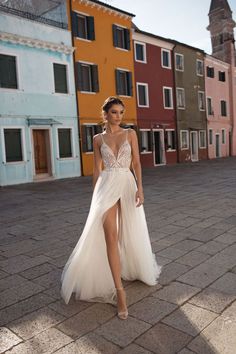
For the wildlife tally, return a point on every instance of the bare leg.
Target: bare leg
(111, 237)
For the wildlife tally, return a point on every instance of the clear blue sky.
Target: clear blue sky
(183, 20)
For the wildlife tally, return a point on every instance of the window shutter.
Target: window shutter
(130, 83)
(135, 127)
(90, 27)
(75, 26)
(151, 140)
(95, 83)
(115, 38)
(127, 39)
(83, 138)
(118, 88)
(79, 77)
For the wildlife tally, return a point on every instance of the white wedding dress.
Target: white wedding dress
(87, 272)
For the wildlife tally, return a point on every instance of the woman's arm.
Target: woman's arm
(137, 167)
(97, 159)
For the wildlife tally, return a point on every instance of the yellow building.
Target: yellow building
(104, 66)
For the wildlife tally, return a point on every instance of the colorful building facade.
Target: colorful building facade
(219, 116)
(190, 103)
(154, 79)
(38, 114)
(104, 66)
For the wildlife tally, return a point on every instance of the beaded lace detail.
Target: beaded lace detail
(123, 158)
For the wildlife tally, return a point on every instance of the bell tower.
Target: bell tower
(221, 27)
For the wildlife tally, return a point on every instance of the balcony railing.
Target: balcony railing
(33, 17)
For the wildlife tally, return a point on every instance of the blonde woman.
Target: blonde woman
(115, 243)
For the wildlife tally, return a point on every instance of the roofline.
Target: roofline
(173, 41)
(112, 7)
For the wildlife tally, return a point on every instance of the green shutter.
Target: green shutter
(75, 26)
(135, 127)
(115, 38)
(79, 77)
(60, 78)
(8, 78)
(83, 138)
(90, 27)
(95, 83)
(130, 83)
(118, 88)
(127, 39)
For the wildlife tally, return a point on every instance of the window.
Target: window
(140, 52)
(199, 64)
(179, 62)
(223, 136)
(209, 106)
(184, 139)
(8, 75)
(202, 139)
(121, 37)
(13, 145)
(210, 71)
(64, 141)
(223, 105)
(146, 145)
(210, 136)
(165, 59)
(124, 84)
(142, 93)
(222, 76)
(87, 77)
(180, 93)
(170, 140)
(60, 78)
(168, 98)
(83, 26)
(88, 131)
(201, 100)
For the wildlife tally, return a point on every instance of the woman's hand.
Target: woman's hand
(139, 197)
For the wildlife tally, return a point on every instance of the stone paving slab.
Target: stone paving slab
(190, 211)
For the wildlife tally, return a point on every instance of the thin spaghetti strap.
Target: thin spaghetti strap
(127, 130)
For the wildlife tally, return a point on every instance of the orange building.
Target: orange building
(104, 66)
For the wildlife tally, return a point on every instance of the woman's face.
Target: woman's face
(115, 114)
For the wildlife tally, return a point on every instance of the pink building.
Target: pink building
(219, 115)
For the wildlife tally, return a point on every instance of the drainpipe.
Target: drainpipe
(76, 96)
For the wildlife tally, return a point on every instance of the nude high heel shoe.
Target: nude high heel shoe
(122, 314)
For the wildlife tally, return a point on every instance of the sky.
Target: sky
(182, 20)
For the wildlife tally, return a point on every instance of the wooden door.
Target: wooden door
(40, 151)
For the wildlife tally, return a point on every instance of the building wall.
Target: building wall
(217, 91)
(36, 98)
(102, 53)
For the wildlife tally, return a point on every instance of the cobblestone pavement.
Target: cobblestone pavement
(191, 214)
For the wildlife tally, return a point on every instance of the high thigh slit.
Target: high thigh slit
(87, 272)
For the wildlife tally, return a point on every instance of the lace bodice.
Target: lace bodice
(123, 158)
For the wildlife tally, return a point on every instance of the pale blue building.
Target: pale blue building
(38, 111)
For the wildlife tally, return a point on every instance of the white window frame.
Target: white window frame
(146, 94)
(149, 151)
(67, 78)
(23, 145)
(90, 64)
(85, 124)
(18, 77)
(223, 136)
(212, 112)
(144, 61)
(202, 62)
(181, 55)
(211, 137)
(183, 90)
(181, 145)
(200, 132)
(163, 91)
(72, 140)
(170, 130)
(201, 109)
(226, 107)
(169, 54)
(86, 15)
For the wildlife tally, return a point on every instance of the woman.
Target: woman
(115, 242)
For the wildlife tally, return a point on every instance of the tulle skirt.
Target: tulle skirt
(87, 272)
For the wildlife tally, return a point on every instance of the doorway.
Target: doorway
(42, 160)
(159, 147)
(217, 145)
(194, 145)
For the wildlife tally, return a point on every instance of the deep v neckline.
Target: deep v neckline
(118, 152)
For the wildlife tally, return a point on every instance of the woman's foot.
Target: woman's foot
(121, 303)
